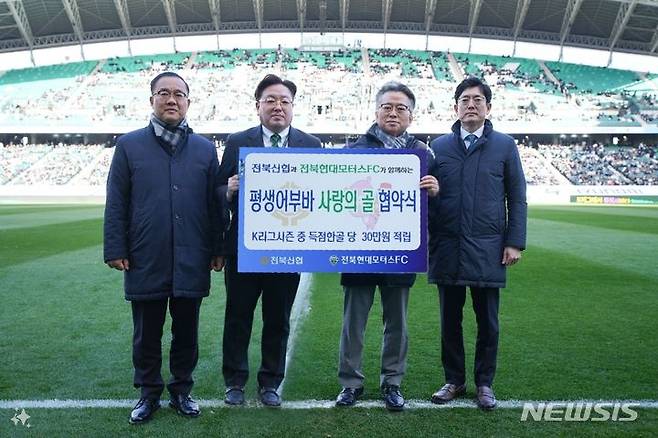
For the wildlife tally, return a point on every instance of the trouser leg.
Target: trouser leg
(452, 299)
(485, 306)
(242, 292)
(356, 306)
(148, 320)
(279, 291)
(184, 351)
(395, 342)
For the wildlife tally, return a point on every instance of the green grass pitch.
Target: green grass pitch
(578, 321)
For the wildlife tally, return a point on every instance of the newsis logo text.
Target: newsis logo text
(579, 411)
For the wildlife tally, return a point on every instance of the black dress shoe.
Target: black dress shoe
(269, 397)
(393, 397)
(348, 396)
(185, 405)
(234, 396)
(143, 410)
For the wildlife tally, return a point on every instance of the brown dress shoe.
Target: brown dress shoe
(448, 393)
(486, 399)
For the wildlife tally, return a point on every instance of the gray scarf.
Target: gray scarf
(172, 136)
(391, 142)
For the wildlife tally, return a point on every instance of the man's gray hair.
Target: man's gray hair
(395, 86)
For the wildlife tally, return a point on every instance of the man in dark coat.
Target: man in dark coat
(274, 104)
(477, 228)
(395, 104)
(163, 230)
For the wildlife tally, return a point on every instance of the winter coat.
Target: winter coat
(162, 215)
(481, 208)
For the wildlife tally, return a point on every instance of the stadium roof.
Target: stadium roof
(615, 25)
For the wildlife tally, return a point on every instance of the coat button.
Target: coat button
(175, 187)
(177, 216)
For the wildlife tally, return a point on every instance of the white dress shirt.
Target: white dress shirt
(284, 137)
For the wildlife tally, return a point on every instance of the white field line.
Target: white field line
(307, 404)
(300, 309)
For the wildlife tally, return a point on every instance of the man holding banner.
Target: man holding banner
(274, 105)
(395, 104)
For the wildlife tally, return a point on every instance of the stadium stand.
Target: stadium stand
(49, 72)
(95, 174)
(336, 95)
(16, 158)
(513, 73)
(549, 164)
(174, 61)
(335, 88)
(582, 165)
(58, 165)
(639, 164)
(538, 170)
(585, 79)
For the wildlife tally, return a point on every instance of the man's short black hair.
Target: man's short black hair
(396, 86)
(471, 82)
(270, 80)
(165, 74)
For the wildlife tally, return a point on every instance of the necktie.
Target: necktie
(275, 139)
(470, 140)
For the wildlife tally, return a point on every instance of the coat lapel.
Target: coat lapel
(293, 138)
(255, 136)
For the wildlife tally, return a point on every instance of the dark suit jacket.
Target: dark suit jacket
(252, 137)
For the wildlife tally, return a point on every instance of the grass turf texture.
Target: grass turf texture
(577, 321)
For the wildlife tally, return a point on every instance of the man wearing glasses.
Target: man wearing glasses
(163, 230)
(477, 228)
(274, 105)
(395, 104)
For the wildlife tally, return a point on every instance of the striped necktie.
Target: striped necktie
(275, 139)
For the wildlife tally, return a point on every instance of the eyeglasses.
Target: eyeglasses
(165, 94)
(272, 101)
(477, 100)
(399, 108)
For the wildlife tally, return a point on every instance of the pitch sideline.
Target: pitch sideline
(307, 404)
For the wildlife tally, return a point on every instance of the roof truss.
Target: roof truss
(344, 9)
(258, 12)
(20, 17)
(654, 41)
(473, 15)
(124, 16)
(567, 22)
(634, 29)
(387, 6)
(624, 14)
(301, 13)
(71, 8)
